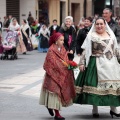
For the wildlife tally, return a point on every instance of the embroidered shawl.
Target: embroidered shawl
(58, 78)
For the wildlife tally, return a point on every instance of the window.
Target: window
(107, 2)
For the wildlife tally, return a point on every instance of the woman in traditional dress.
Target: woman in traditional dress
(14, 26)
(69, 36)
(58, 86)
(98, 83)
(35, 27)
(26, 34)
(44, 34)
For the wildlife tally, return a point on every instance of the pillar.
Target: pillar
(54, 10)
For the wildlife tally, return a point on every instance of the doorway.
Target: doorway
(75, 12)
(43, 12)
(62, 11)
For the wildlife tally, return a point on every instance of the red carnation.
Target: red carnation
(72, 63)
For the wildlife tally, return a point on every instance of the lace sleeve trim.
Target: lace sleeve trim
(82, 58)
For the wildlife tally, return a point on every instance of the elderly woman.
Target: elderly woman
(98, 83)
(69, 36)
(58, 86)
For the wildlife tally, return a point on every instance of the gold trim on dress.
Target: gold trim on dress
(94, 90)
(103, 88)
(78, 89)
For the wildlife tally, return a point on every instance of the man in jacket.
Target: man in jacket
(82, 35)
(107, 14)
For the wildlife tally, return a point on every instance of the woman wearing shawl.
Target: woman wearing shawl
(58, 86)
(14, 26)
(98, 83)
(26, 34)
(44, 39)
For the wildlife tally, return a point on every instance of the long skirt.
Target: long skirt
(40, 48)
(50, 100)
(21, 46)
(34, 42)
(88, 91)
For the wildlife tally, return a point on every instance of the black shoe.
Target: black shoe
(24, 53)
(96, 115)
(50, 111)
(59, 118)
(115, 114)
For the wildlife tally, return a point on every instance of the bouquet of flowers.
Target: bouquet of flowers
(70, 65)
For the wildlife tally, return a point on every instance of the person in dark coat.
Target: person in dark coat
(82, 35)
(9, 21)
(30, 19)
(69, 36)
(54, 28)
(107, 14)
(5, 21)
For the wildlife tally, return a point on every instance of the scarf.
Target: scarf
(25, 27)
(58, 78)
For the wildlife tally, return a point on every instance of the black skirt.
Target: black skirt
(44, 42)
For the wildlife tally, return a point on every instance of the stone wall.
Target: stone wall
(2, 9)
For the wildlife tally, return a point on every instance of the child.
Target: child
(58, 86)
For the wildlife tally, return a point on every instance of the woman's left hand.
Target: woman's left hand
(71, 52)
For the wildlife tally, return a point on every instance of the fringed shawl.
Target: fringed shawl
(58, 78)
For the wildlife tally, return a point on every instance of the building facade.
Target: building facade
(47, 10)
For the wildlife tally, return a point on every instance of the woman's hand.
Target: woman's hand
(18, 29)
(82, 68)
(71, 52)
